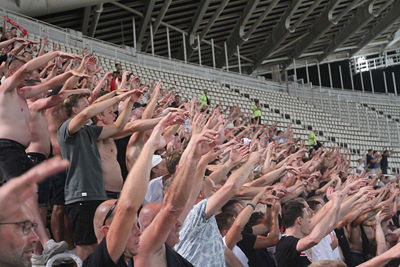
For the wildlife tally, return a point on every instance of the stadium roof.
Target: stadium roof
(265, 32)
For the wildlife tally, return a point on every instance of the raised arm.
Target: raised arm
(273, 238)
(232, 185)
(11, 82)
(112, 129)
(31, 91)
(124, 78)
(16, 191)
(8, 42)
(269, 178)
(82, 117)
(235, 231)
(151, 105)
(379, 234)
(54, 100)
(98, 87)
(139, 125)
(324, 226)
(156, 234)
(133, 192)
(42, 46)
(383, 259)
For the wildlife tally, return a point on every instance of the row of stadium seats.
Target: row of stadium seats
(353, 126)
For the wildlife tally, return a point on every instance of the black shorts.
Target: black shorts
(81, 216)
(112, 195)
(43, 187)
(256, 120)
(13, 159)
(58, 184)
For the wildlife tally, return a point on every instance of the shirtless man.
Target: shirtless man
(14, 136)
(108, 150)
(14, 113)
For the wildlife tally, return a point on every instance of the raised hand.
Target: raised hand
(260, 196)
(255, 156)
(211, 155)
(157, 138)
(238, 153)
(268, 198)
(204, 142)
(198, 124)
(16, 191)
(135, 82)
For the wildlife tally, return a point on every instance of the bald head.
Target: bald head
(148, 213)
(99, 216)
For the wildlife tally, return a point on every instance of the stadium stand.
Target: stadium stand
(354, 124)
(267, 166)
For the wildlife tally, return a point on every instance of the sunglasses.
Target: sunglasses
(110, 212)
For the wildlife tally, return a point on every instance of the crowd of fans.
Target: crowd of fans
(149, 179)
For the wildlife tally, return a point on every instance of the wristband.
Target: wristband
(252, 205)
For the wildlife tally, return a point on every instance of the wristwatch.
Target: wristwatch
(251, 204)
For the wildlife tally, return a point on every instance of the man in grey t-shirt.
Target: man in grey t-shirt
(84, 187)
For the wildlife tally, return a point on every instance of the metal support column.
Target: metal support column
(372, 82)
(226, 57)
(213, 52)
(184, 46)
(319, 76)
(152, 38)
(308, 74)
(341, 77)
(199, 49)
(362, 82)
(351, 77)
(238, 56)
(330, 75)
(385, 82)
(168, 43)
(394, 84)
(134, 32)
(295, 70)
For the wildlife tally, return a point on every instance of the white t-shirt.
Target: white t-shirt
(154, 191)
(323, 250)
(239, 254)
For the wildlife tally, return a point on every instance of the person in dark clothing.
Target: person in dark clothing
(384, 161)
(292, 248)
